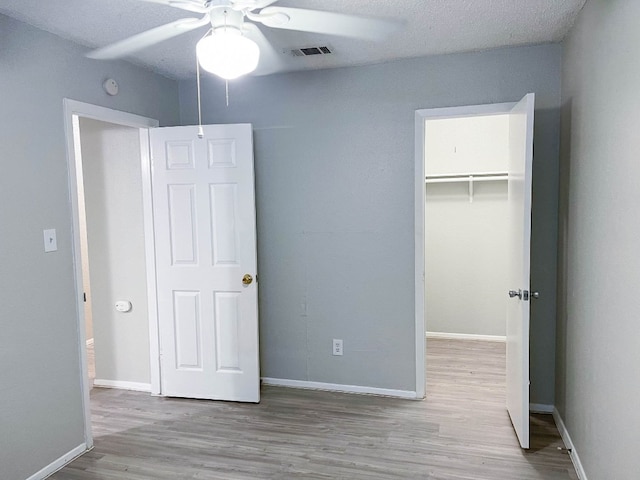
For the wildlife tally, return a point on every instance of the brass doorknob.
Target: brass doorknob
(247, 279)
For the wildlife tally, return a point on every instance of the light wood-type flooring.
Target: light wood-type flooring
(460, 432)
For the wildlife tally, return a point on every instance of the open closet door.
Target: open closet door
(205, 241)
(519, 199)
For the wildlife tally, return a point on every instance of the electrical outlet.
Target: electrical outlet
(337, 346)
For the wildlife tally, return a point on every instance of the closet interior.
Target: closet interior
(466, 226)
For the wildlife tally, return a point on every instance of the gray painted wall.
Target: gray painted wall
(597, 390)
(40, 393)
(334, 156)
(115, 233)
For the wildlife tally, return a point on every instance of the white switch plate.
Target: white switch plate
(50, 241)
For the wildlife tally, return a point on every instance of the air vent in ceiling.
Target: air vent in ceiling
(309, 51)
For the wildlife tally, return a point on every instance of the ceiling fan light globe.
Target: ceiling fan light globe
(228, 54)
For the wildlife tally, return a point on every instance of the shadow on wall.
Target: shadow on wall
(544, 238)
(563, 254)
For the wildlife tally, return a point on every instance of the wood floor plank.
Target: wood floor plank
(460, 432)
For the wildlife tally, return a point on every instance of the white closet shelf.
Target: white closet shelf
(468, 177)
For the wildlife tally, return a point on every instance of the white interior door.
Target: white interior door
(520, 168)
(205, 236)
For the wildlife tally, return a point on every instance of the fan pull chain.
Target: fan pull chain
(200, 129)
(226, 82)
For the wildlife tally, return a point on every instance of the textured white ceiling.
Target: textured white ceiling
(431, 27)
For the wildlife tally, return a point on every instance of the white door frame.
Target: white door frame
(72, 110)
(421, 118)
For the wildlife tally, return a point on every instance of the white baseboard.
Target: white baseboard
(336, 387)
(566, 438)
(541, 408)
(56, 465)
(138, 387)
(466, 336)
(89, 342)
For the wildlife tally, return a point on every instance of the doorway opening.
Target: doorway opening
(466, 214)
(472, 246)
(109, 179)
(113, 254)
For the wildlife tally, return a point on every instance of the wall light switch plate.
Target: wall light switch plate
(50, 240)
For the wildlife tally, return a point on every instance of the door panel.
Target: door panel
(519, 199)
(187, 339)
(204, 222)
(224, 199)
(182, 224)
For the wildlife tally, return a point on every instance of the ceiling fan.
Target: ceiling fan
(233, 46)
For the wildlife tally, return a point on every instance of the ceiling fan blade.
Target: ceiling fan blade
(148, 38)
(189, 5)
(252, 4)
(271, 61)
(330, 23)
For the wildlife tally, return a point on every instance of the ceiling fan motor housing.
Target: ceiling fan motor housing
(222, 17)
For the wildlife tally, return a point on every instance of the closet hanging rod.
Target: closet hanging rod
(482, 177)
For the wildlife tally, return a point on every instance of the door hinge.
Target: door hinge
(84, 296)
(525, 295)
